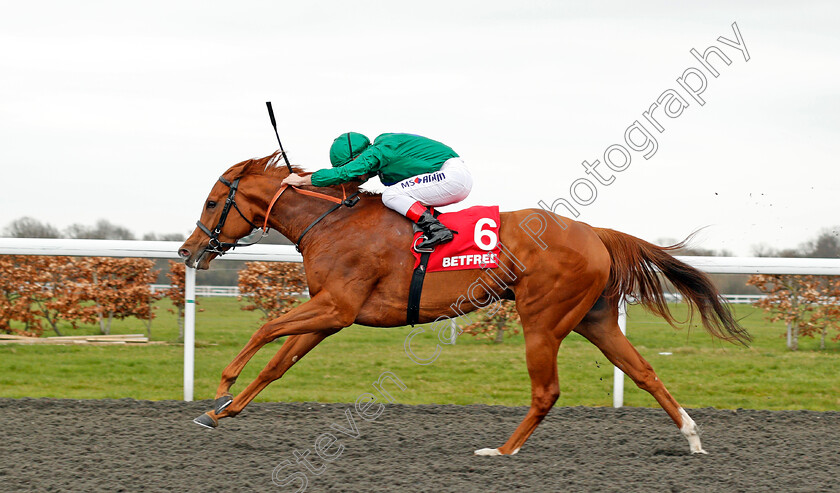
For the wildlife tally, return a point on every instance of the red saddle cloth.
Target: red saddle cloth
(476, 243)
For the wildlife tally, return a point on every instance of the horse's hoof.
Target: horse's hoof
(206, 421)
(222, 402)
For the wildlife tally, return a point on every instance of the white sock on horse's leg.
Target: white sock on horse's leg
(492, 451)
(487, 451)
(691, 433)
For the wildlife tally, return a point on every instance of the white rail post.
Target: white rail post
(618, 375)
(189, 333)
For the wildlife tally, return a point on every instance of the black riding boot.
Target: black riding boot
(435, 232)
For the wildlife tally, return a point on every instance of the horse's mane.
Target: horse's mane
(273, 165)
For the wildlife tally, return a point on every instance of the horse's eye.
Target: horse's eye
(211, 204)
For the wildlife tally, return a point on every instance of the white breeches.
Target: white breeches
(449, 185)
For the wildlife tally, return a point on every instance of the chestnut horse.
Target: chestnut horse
(564, 275)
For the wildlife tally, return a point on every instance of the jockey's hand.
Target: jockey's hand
(296, 180)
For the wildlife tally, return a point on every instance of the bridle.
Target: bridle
(220, 247)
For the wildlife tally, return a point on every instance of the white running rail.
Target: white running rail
(287, 253)
(205, 290)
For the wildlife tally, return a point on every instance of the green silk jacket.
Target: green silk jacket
(394, 157)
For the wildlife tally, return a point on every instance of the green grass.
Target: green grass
(700, 371)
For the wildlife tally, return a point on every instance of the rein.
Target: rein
(220, 247)
(343, 201)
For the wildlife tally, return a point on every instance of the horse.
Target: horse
(564, 275)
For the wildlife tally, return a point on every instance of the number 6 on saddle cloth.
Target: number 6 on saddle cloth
(477, 251)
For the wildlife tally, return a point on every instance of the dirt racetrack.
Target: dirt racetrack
(127, 445)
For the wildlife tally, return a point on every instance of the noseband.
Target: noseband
(217, 246)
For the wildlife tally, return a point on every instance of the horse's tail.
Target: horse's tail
(633, 272)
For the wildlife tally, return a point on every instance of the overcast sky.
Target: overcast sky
(129, 111)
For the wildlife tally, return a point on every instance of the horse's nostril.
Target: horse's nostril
(184, 253)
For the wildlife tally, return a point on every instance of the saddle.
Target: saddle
(479, 250)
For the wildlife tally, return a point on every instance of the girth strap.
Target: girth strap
(415, 289)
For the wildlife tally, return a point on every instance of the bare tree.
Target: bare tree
(825, 245)
(104, 230)
(27, 227)
(763, 250)
(164, 237)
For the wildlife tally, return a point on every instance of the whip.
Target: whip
(274, 124)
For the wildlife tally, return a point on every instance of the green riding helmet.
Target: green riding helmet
(347, 147)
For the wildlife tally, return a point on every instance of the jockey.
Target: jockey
(417, 172)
